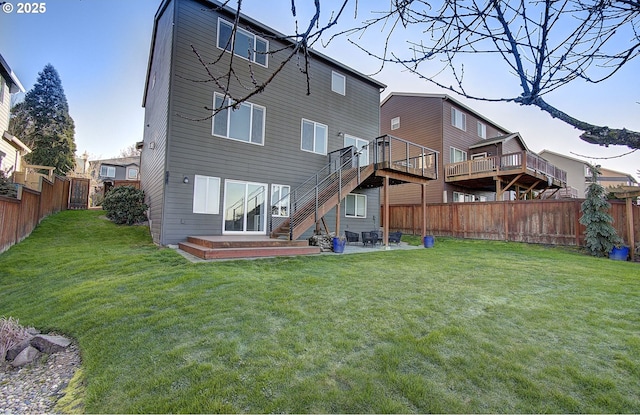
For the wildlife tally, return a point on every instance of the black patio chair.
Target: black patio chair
(394, 237)
(369, 237)
(351, 236)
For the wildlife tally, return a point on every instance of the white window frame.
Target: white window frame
(232, 46)
(105, 170)
(315, 138)
(338, 83)
(210, 188)
(395, 123)
(479, 156)
(132, 170)
(280, 207)
(458, 119)
(482, 130)
(358, 199)
(362, 146)
(228, 113)
(452, 151)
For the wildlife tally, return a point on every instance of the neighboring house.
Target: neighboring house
(579, 175)
(105, 173)
(611, 178)
(237, 173)
(481, 161)
(11, 148)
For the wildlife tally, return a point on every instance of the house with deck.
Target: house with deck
(260, 177)
(479, 159)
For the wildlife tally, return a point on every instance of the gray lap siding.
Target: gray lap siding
(193, 150)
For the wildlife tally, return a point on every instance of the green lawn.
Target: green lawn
(466, 326)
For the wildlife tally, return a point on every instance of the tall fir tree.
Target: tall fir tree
(600, 235)
(45, 123)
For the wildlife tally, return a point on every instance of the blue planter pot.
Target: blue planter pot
(338, 245)
(429, 240)
(619, 254)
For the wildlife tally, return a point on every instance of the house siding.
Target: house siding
(152, 160)
(193, 150)
(426, 120)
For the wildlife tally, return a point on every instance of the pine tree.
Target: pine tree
(46, 124)
(600, 235)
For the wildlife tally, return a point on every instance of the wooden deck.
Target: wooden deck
(244, 246)
(499, 173)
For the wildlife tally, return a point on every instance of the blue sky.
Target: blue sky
(100, 49)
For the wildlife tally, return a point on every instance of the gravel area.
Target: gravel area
(35, 388)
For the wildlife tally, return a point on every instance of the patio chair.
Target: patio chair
(351, 236)
(370, 237)
(394, 237)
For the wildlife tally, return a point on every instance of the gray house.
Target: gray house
(240, 173)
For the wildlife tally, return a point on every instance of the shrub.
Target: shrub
(11, 334)
(125, 205)
(600, 235)
(7, 188)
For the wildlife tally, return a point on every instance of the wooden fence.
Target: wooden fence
(19, 217)
(554, 222)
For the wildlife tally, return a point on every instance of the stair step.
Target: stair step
(258, 243)
(247, 252)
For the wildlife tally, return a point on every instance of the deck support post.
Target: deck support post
(338, 219)
(632, 237)
(385, 229)
(424, 209)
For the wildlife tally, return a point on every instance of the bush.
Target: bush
(11, 334)
(125, 205)
(600, 235)
(7, 188)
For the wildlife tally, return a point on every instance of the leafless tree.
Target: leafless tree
(543, 44)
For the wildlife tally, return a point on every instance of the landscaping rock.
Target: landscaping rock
(28, 355)
(50, 344)
(15, 350)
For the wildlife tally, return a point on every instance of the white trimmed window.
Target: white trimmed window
(395, 123)
(314, 137)
(462, 197)
(361, 145)
(206, 195)
(245, 44)
(356, 206)
(132, 173)
(107, 171)
(456, 155)
(458, 119)
(338, 83)
(244, 123)
(482, 130)
(280, 200)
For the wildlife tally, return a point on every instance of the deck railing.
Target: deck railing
(523, 161)
(394, 153)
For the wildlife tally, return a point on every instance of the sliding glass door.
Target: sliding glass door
(245, 207)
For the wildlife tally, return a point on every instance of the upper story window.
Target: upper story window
(338, 83)
(456, 155)
(132, 173)
(107, 171)
(361, 145)
(395, 123)
(314, 137)
(245, 44)
(244, 123)
(482, 130)
(458, 119)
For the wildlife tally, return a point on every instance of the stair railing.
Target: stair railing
(319, 188)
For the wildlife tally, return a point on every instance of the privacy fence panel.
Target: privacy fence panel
(554, 222)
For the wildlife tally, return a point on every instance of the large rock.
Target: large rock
(15, 350)
(28, 355)
(50, 344)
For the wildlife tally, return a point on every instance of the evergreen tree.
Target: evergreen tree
(45, 124)
(600, 235)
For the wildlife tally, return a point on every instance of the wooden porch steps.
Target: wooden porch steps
(229, 248)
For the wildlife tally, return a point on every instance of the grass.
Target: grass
(465, 326)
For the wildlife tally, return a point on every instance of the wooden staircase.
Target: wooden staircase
(229, 247)
(306, 216)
